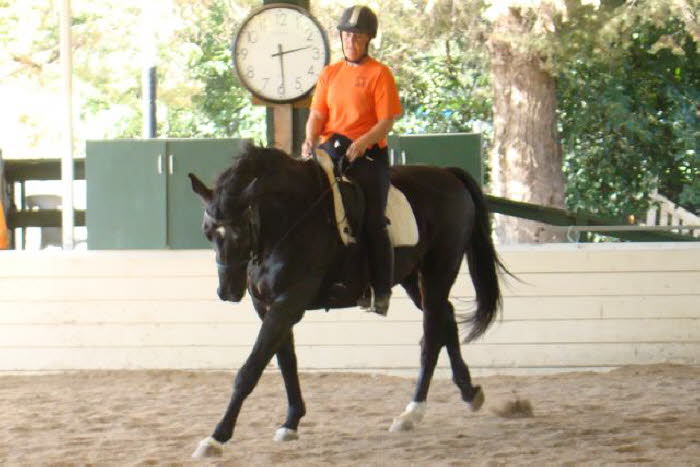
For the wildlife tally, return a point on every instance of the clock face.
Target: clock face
(279, 52)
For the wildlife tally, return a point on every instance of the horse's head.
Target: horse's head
(227, 224)
(232, 210)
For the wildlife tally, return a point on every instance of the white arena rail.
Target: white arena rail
(664, 212)
(589, 306)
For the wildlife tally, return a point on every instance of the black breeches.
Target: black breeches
(371, 172)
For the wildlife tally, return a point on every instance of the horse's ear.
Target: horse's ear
(201, 189)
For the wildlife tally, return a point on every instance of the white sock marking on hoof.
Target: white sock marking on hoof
(208, 447)
(409, 418)
(285, 434)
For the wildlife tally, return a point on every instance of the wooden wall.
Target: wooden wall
(577, 307)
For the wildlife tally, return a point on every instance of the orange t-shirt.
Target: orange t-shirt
(355, 98)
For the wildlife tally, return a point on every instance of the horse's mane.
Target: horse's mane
(255, 162)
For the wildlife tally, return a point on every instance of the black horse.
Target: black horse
(270, 219)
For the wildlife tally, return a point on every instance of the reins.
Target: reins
(224, 266)
(303, 216)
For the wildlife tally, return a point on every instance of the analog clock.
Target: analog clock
(279, 51)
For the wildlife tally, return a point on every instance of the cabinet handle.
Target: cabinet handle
(160, 164)
(171, 164)
(403, 157)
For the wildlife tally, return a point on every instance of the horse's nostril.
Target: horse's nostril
(228, 296)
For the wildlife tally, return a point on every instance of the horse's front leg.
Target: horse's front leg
(275, 329)
(287, 361)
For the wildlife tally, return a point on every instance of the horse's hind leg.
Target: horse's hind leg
(460, 372)
(287, 360)
(435, 311)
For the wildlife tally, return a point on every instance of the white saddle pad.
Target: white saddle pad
(403, 229)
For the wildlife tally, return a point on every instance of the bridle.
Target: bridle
(222, 266)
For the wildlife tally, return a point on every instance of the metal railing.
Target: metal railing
(573, 232)
(582, 222)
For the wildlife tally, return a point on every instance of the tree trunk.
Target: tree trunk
(526, 160)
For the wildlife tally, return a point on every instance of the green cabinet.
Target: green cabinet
(443, 149)
(139, 195)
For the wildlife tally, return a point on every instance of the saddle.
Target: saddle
(348, 202)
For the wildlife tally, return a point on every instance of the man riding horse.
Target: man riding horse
(269, 219)
(357, 98)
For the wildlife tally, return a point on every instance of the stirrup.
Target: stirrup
(365, 302)
(380, 305)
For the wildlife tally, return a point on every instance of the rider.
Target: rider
(357, 98)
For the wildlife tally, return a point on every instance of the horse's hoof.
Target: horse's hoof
(409, 418)
(478, 399)
(285, 434)
(208, 447)
(402, 424)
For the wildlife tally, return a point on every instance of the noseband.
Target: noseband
(223, 267)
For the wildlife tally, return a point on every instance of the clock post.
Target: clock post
(286, 122)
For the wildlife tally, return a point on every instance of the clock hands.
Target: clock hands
(280, 53)
(283, 52)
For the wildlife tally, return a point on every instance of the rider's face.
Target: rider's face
(354, 44)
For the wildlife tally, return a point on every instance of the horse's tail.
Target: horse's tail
(483, 261)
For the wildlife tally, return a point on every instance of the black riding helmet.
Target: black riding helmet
(359, 18)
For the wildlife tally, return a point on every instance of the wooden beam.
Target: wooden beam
(18, 170)
(283, 134)
(42, 218)
(304, 103)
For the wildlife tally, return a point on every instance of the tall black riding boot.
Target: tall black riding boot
(381, 268)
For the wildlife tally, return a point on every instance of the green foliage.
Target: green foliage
(628, 79)
(630, 124)
(442, 73)
(442, 91)
(221, 107)
(436, 51)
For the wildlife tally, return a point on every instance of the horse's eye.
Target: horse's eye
(221, 231)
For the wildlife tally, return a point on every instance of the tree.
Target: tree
(526, 159)
(629, 114)
(220, 105)
(623, 76)
(641, 129)
(442, 73)
(198, 94)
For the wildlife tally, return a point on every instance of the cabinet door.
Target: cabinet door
(126, 188)
(444, 150)
(206, 158)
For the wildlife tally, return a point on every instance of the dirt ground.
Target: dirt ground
(636, 414)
